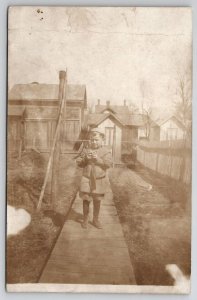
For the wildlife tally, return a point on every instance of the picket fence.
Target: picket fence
(176, 164)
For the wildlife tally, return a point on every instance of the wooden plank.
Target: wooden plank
(111, 243)
(79, 278)
(80, 261)
(110, 228)
(71, 248)
(86, 268)
(90, 234)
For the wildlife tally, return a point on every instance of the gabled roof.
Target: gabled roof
(137, 120)
(174, 118)
(34, 91)
(37, 91)
(133, 119)
(95, 119)
(118, 109)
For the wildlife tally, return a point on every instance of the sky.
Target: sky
(136, 54)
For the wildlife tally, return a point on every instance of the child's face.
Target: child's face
(95, 141)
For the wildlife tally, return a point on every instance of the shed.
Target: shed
(111, 126)
(33, 110)
(171, 128)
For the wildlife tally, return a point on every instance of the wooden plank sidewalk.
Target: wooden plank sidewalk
(90, 256)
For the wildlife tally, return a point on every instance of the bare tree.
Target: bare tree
(146, 106)
(133, 108)
(183, 103)
(183, 108)
(146, 109)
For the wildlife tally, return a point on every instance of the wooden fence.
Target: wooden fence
(173, 160)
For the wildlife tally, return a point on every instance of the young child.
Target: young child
(95, 159)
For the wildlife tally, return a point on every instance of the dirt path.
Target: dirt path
(156, 224)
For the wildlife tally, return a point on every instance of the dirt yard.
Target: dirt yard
(28, 251)
(156, 223)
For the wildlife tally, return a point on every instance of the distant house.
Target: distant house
(33, 111)
(120, 126)
(171, 129)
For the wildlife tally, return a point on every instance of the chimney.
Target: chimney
(125, 102)
(108, 103)
(99, 102)
(62, 83)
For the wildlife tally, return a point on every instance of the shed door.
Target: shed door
(109, 136)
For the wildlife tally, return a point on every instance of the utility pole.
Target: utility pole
(55, 149)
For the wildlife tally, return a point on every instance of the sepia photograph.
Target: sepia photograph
(99, 149)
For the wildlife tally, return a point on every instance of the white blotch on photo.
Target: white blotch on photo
(17, 220)
(181, 281)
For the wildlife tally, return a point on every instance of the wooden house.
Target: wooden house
(171, 128)
(33, 111)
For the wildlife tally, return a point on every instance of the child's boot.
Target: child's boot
(96, 209)
(85, 214)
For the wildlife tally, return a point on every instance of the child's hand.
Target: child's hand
(94, 155)
(89, 155)
(79, 160)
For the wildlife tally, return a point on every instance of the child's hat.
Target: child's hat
(97, 130)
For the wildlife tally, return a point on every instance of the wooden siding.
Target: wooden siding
(14, 134)
(36, 128)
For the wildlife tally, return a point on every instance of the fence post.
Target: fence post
(57, 150)
(114, 146)
(20, 149)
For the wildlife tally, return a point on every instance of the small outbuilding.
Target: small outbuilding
(32, 115)
(171, 128)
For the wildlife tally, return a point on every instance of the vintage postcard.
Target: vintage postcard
(99, 141)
